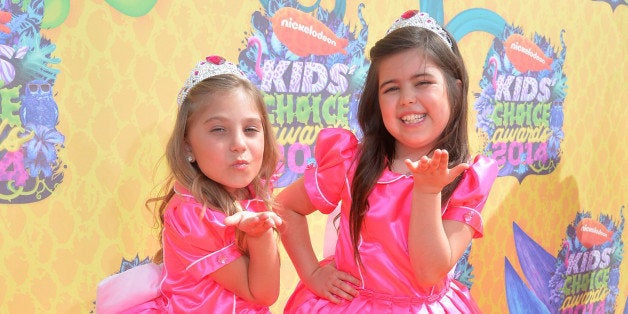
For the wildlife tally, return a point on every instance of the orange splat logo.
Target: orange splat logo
(525, 55)
(305, 35)
(591, 232)
(5, 17)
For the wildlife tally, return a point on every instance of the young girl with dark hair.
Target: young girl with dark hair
(410, 194)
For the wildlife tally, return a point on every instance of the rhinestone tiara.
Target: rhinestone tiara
(211, 66)
(422, 20)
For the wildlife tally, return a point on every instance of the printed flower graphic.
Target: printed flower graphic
(41, 150)
(126, 264)
(7, 70)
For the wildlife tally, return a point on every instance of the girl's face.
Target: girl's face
(226, 138)
(413, 101)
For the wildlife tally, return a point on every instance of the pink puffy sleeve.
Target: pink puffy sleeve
(468, 199)
(327, 177)
(201, 242)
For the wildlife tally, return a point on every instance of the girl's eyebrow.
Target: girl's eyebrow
(415, 76)
(385, 82)
(224, 119)
(214, 118)
(255, 118)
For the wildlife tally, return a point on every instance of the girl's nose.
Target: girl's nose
(238, 142)
(408, 96)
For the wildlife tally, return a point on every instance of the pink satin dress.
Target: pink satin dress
(196, 243)
(388, 284)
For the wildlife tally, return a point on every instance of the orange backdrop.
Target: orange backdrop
(120, 72)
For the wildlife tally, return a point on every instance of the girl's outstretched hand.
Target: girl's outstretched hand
(254, 224)
(431, 174)
(330, 283)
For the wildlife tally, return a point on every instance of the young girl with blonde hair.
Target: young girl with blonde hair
(219, 249)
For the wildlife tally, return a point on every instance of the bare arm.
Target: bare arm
(254, 278)
(435, 245)
(325, 281)
(295, 236)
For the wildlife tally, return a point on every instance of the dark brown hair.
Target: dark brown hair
(378, 145)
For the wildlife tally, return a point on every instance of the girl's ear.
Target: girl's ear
(189, 154)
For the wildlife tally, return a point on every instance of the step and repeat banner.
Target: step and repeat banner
(88, 97)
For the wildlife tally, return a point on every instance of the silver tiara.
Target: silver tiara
(211, 66)
(422, 20)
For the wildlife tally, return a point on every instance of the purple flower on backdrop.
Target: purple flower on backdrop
(41, 151)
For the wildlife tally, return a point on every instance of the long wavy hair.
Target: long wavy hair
(378, 145)
(205, 190)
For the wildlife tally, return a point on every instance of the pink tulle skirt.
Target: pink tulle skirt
(454, 298)
(133, 291)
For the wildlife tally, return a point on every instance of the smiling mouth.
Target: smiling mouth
(413, 118)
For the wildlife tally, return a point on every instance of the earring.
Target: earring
(190, 159)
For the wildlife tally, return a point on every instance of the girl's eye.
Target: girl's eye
(218, 129)
(252, 129)
(391, 89)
